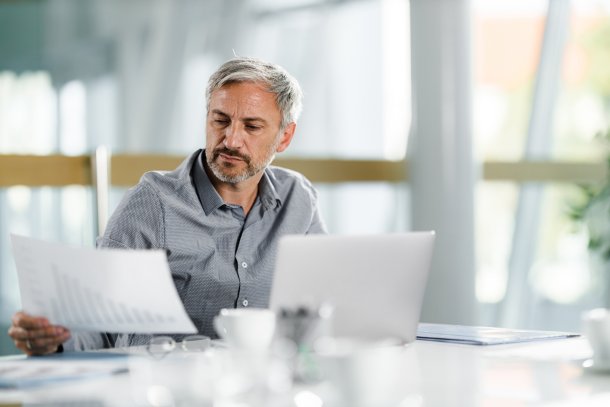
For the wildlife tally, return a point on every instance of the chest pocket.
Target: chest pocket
(189, 260)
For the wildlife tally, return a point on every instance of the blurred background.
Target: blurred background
(489, 108)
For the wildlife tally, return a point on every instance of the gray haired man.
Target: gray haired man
(219, 215)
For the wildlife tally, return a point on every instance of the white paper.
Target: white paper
(30, 372)
(105, 290)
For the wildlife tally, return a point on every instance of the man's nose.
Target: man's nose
(233, 137)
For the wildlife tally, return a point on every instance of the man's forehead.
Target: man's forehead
(242, 95)
(247, 82)
(246, 87)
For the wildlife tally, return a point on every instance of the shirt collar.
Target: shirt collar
(269, 197)
(208, 196)
(210, 199)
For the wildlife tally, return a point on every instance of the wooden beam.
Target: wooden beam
(44, 170)
(335, 171)
(544, 171)
(126, 169)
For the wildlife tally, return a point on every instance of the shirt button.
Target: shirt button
(245, 303)
(244, 265)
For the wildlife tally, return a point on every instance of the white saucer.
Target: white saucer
(590, 366)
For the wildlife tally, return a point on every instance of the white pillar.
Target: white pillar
(441, 167)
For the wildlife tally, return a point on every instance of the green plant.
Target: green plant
(594, 210)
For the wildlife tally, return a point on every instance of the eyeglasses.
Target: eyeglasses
(161, 346)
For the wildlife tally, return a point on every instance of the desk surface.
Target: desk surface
(435, 374)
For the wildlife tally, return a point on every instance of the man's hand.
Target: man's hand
(35, 335)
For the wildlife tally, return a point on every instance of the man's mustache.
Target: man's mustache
(231, 153)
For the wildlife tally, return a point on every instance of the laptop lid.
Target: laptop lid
(375, 283)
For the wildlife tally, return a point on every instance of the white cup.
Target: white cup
(246, 328)
(596, 326)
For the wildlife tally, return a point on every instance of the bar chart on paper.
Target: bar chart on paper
(99, 290)
(79, 304)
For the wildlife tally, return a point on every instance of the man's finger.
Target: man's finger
(41, 343)
(27, 321)
(35, 348)
(17, 333)
(49, 332)
(21, 345)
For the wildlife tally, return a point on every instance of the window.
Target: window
(534, 269)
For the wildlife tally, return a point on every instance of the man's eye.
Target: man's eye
(251, 127)
(221, 122)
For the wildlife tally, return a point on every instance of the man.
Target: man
(219, 215)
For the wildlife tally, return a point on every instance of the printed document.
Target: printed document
(104, 290)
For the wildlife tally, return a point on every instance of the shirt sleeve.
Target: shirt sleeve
(137, 223)
(317, 225)
(82, 341)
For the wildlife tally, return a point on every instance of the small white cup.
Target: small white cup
(246, 328)
(596, 326)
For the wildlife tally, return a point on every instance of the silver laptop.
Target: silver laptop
(375, 283)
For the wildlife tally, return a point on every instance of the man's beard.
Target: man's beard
(252, 168)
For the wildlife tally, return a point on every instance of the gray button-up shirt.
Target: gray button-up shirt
(219, 258)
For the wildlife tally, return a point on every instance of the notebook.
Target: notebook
(482, 335)
(374, 283)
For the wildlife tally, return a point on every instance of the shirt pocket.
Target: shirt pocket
(187, 259)
(181, 281)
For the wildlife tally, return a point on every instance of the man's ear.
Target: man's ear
(286, 137)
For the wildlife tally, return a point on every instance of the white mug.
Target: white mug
(246, 328)
(596, 327)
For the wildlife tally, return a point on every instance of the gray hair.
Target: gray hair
(288, 94)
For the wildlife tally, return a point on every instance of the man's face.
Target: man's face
(243, 131)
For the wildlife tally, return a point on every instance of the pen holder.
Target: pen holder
(303, 326)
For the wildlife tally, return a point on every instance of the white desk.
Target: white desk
(437, 374)
(510, 375)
